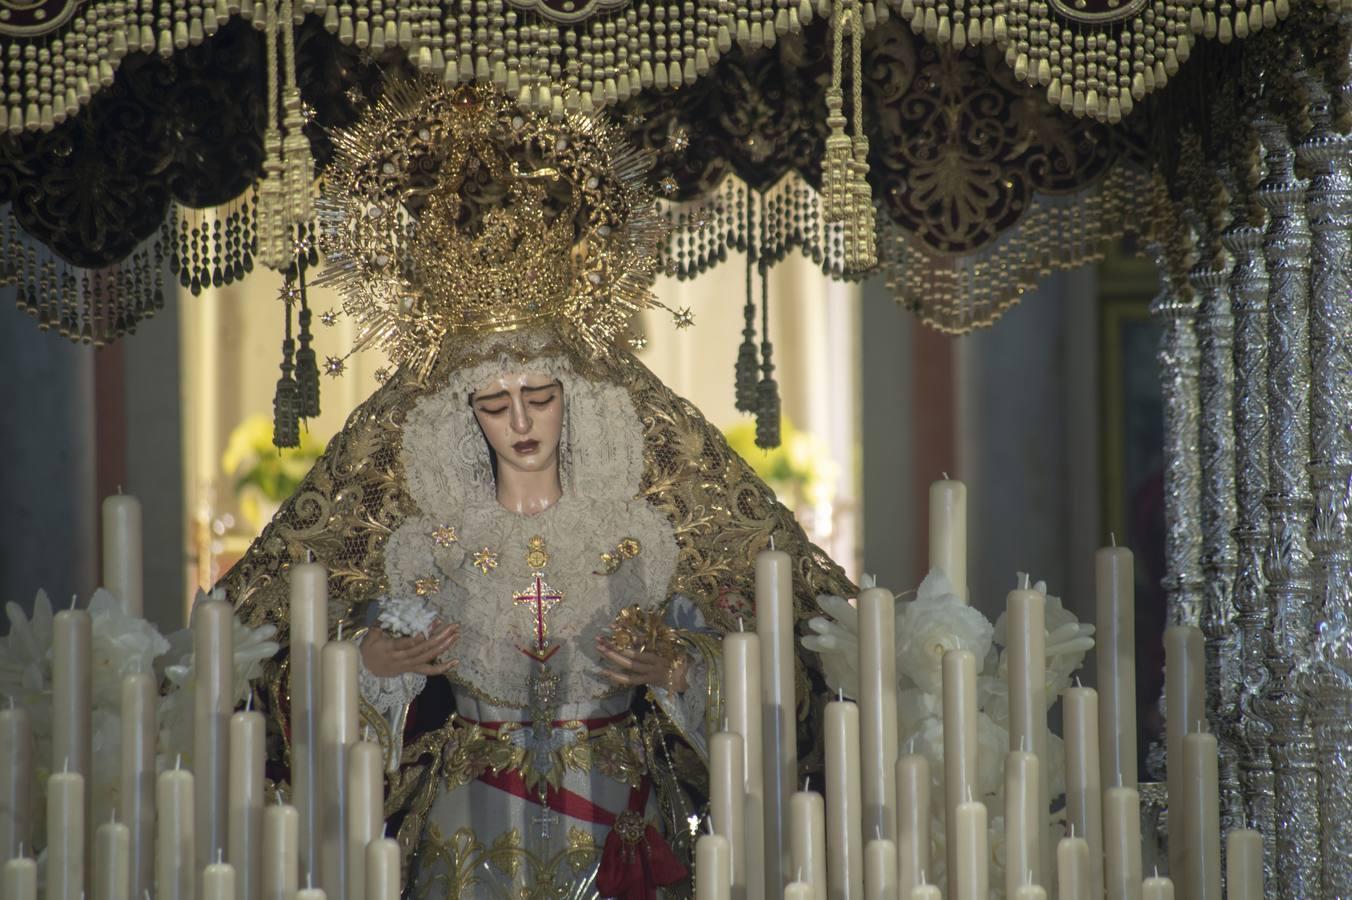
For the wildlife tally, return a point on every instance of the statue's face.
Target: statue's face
(521, 414)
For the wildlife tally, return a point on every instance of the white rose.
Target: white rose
(835, 639)
(930, 626)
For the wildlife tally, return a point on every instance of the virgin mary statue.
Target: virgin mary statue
(541, 545)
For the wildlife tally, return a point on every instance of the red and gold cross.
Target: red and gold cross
(541, 598)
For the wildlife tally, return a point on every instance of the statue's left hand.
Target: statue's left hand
(634, 668)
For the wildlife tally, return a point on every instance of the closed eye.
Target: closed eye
(541, 404)
(494, 411)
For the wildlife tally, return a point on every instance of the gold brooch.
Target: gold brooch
(625, 549)
(485, 560)
(638, 629)
(445, 535)
(425, 587)
(536, 555)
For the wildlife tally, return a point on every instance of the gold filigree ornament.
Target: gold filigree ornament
(638, 629)
(452, 211)
(445, 535)
(537, 556)
(485, 560)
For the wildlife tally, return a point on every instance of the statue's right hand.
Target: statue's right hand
(387, 657)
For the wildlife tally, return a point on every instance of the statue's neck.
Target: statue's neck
(528, 493)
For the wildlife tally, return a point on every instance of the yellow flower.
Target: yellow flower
(251, 459)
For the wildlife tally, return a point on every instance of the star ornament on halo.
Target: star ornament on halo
(328, 317)
(668, 186)
(683, 317)
(334, 366)
(678, 140)
(289, 293)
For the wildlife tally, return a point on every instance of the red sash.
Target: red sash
(636, 859)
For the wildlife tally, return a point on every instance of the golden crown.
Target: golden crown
(453, 211)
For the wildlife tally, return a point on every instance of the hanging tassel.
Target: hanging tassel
(767, 392)
(836, 200)
(307, 367)
(286, 401)
(271, 216)
(860, 241)
(747, 364)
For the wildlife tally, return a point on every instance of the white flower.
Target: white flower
(405, 615)
(931, 625)
(121, 645)
(25, 653)
(836, 641)
(1066, 640)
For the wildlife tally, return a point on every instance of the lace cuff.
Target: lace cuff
(389, 695)
(694, 710)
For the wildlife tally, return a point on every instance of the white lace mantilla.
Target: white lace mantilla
(446, 462)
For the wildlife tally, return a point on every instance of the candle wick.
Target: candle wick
(805, 781)
(1023, 581)
(969, 793)
(1029, 876)
(65, 766)
(1112, 538)
(772, 542)
(922, 878)
(340, 629)
(309, 555)
(119, 490)
(220, 858)
(178, 762)
(946, 478)
(74, 598)
(740, 625)
(248, 702)
(709, 824)
(1072, 831)
(309, 881)
(1077, 681)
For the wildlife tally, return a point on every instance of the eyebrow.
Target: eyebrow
(525, 390)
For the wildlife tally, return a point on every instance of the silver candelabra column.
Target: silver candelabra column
(1215, 340)
(1328, 156)
(1291, 743)
(1176, 308)
(1248, 301)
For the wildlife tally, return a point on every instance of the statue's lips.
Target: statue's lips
(525, 448)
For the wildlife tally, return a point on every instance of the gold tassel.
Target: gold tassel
(271, 193)
(836, 194)
(849, 168)
(285, 195)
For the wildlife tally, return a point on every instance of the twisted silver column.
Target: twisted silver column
(1328, 156)
(1248, 300)
(1295, 778)
(1178, 361)
(1215, 340)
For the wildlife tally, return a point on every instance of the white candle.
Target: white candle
(1122, 843)
(880, 869)
(775, 625)
(742, 705)
(1028, 696)
(1244, 865)
(16, 781)
(1184, 688)
(213, 701)
(925, 892)
(1030, 892)
(337, 730)
(310, 893)
(1072, 870)
(309, 631)
(112, 862)
(798, 890)
(174, 841)
(878, 711)
(1115, 636)
(948, 533)
(1023, 845)
(136, 805)
(1084, 790)
(122, 551)
(219, 882)
(19, 879)
(1157, 888)
(281, 852)
(382, 869)
(245, 822)
(365, 809)
(1201, 796)
(970, 879)
(960, 747)
(913, 821)
(71, 692)
(65, 835)
(807, 824)
(844, 820)
(713, 868)
(727, 801)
